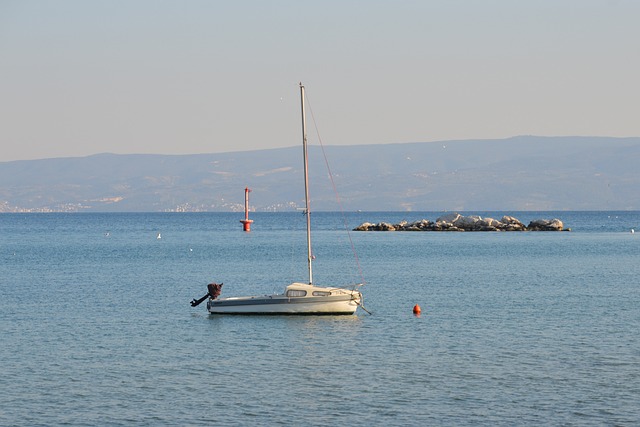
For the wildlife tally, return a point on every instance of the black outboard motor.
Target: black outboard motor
(214, 292)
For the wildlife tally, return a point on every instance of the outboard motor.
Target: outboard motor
(214, 290)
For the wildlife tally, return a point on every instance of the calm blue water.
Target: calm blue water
(516, 329)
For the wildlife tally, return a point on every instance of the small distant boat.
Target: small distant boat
(298, 297)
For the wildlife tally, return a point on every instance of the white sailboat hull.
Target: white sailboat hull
(326, 301)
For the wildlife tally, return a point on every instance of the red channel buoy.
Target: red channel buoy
(246, 222)
(417, 310)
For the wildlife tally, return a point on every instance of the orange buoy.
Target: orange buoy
(416, 309)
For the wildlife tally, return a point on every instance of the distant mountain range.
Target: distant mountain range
(514, 174)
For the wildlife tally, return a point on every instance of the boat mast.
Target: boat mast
(306, 182)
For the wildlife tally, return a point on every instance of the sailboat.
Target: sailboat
(298, 297)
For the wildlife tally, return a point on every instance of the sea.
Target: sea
(516, 328)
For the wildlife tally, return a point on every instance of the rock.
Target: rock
(421, 225)
(450, 217)
(512, 224)
(511, 220)
(546, 225)
(467, 222)
(365, 226)
(385, 226)
(456, 222)
(488, 222)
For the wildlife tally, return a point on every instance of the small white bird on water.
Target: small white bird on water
(159, 236)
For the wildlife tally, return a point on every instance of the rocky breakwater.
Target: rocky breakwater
(456, 222)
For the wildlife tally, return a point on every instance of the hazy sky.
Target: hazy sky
(180, 77)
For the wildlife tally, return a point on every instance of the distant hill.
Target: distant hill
(519, 173)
